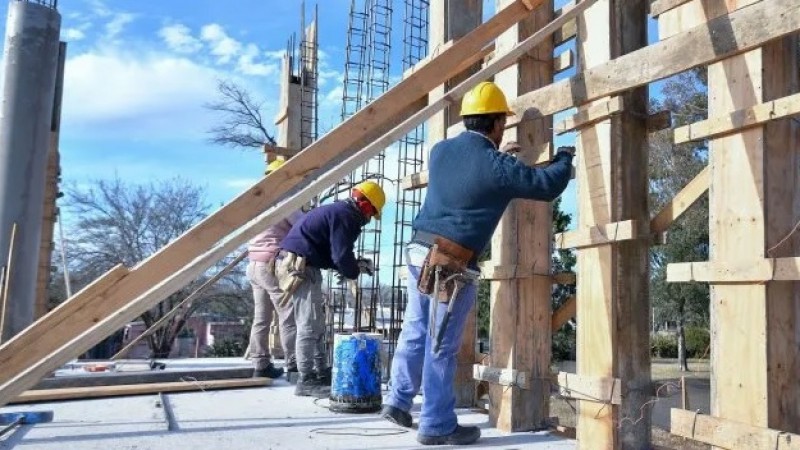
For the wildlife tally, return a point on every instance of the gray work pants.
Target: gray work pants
(266, 294)
(309, 313)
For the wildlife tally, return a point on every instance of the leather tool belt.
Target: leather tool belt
(445, 264)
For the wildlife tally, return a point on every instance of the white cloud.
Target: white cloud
(155, 91)
(275, 54)
(178, 38)
(222, 46)
(248, 66)
(72, 34)
(117, 24)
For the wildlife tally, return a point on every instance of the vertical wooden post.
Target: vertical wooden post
(52, 176)
(521, 308)
(453, 19)
(613, 304)
(782, 180)
(754, 328)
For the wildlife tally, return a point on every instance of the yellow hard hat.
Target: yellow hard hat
(485, 98)
(275, 165)
(374, 193)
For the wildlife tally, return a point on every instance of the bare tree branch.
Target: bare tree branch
(242, 123)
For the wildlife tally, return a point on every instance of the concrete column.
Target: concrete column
(30, 63)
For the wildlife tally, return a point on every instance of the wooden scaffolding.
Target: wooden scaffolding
(750, 49)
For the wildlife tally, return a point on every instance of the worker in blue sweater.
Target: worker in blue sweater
(471, 183)
(323, 239)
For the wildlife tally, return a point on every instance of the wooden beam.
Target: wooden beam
(564, 314)
(415, 181)
(501, 377)
(590, 115)
(295, 184)
(775, 269)
(280, 151)
(729, 35)
(659, 121)
(514, 272)
(682, 201)
(564, 61)
(739, 120)
(599, 235)
(520, 307)
(729, 434)
(590, 389)
(659, 7)
(82, 393)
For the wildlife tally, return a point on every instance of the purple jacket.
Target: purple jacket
(266, 245)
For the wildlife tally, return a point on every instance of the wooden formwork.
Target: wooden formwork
(752, 175)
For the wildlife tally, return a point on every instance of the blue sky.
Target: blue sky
(139, 71)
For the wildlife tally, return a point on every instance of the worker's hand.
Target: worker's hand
(366, 266)
(568, 149)
(511, 148)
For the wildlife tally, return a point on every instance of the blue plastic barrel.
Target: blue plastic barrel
(356, 374)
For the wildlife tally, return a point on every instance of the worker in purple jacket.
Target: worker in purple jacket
(262, 251)
(323, 239)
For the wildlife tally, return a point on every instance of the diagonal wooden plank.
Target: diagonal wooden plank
(564, 313)
(285, 180)
(682, 202)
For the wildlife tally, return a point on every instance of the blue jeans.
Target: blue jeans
(414, 363)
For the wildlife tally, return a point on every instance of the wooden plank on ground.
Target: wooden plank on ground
(682, 201)
(143, 376)
(591, 389)
(743, 30)
(753, 272)
(82, 393)
(564, 313)
(291, 186)
(739, 120)
(728, 434)
(598, 235)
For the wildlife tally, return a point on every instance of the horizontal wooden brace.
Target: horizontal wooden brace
(516, 272)
(280, 151)
(589, 115)
(659, 121)
(739, 120)
(505, 377)
(720, 38)
(682, 201)
(415, 181)
(593, 389)
(723, 433)
(659, 7)
(564, 61)
(564, 313)
(776, 269)
(599, 235)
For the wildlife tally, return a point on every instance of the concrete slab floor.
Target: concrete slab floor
(265, 418)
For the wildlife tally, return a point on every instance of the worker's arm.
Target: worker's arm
(535, 183)
(343, 238)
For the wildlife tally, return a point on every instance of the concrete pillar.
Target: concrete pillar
(30, 63)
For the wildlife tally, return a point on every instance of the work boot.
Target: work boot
(461, 436)
(268, 372)
(308, 385)
(397, 416)
(324, 376)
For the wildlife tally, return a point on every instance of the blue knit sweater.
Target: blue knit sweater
(471, 184)
(326, 237)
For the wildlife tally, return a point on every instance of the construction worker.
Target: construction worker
(471, 183)
(262, 251)
(323, 239)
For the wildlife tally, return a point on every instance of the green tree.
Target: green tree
(563, 346)
(671, 168)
